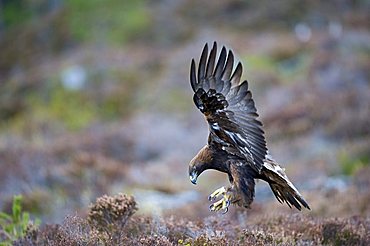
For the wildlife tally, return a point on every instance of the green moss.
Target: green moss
(259, 62)
(174, 100)
(72, 108)
(115, 21)
(53, 105)
(294, 67)
(15, 12)
(287, 68)
(351, 164)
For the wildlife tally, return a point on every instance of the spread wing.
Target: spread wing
(228, 106)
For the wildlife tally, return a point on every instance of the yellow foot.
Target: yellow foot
(221, 205)
(221, 191)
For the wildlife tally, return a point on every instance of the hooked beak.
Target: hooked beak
(193, 178)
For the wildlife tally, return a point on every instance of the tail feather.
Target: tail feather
(281, 186)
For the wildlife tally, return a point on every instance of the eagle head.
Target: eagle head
(199, 163)
(193, 171)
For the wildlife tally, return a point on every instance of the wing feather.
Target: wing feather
(211, 61)
(226, 88)
(228, 106)
(235, 78)
(220, 64)
(193, 77)
(202, 63)
(228, 67)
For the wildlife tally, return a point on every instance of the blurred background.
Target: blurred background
(95, 99)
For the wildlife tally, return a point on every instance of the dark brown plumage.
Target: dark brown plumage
(236, 143)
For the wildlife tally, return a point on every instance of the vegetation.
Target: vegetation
(118, 22)
(351, 165)
(17, 224)
(110, 221)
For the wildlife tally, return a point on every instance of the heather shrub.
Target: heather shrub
(110, 221)
(108, 215)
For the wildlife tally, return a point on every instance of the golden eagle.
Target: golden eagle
(236, 143)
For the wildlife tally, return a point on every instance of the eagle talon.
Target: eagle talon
(222, 204)
(227, 204)
(217, 193)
